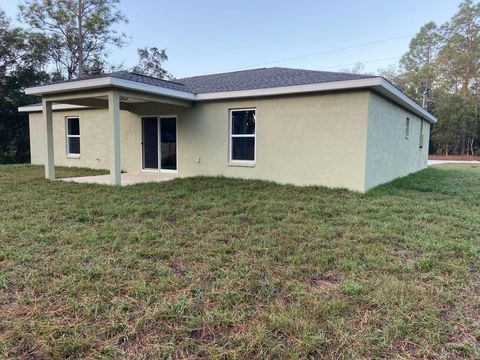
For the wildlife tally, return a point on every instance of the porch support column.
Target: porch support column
(48, 128)
(114, 118)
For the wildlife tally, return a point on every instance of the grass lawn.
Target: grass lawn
(224, 268)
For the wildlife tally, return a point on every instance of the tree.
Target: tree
(78, 32)
(22, 58)
(460, 55)
(459, 64)
(150, 62)
(358, 68)
(451, 112)
(419, 63)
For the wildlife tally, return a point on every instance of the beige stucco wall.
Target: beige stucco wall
(304, 140)
(389, 154)
(316, 139)
(95, 139)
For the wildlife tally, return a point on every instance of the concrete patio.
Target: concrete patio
(127, 178)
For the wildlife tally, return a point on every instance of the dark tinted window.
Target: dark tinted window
(243, 122)
(74, 145)
(168, 136)
(73, 126)
(243, 148)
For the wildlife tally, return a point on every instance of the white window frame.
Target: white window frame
(231, 136)
(407, 128)
(67, 137)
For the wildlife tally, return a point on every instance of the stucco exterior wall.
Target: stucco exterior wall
(317, 139)
(95, 139)
(303, 140)
(389, 153)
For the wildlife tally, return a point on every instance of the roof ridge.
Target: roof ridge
(326, 71)
(277, 67)
(223, 73)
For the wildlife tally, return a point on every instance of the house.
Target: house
(292, 126)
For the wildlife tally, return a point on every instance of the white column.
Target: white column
(114, 118)
(48, 128)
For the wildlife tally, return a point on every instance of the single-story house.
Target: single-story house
(286, 125)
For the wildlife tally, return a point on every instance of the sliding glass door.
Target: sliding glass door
(150, 143)
(168, 141)
(159, 143)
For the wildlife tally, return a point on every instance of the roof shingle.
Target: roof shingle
(262, 78)
(242, 80)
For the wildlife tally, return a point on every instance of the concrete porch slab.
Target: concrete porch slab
(127, 178)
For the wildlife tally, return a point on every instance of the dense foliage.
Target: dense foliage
(78, 32)
(64, 39)
(21, 63)
(441, 71)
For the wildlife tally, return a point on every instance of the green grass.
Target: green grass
(231, 269)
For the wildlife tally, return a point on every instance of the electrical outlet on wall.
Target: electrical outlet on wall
(198, 160)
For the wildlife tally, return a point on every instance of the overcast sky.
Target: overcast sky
(208, 36)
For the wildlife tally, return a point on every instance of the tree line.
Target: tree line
(441, 72)
(58, 40)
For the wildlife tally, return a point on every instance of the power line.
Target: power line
(362, 62)
(321, 52)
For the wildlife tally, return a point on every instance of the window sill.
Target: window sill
(72, 156)
(241, 164)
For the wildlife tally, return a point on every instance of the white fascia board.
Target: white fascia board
(377, 83)
(391, 92)
(108, 81)
(69, 86)
(54, 107)
(295, 89)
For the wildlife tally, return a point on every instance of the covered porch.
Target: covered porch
(113, 99)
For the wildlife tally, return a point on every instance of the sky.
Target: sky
(210, 36)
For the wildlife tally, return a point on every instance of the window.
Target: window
(407, 128)
(73, 136)
(242, 135)
(421, 134)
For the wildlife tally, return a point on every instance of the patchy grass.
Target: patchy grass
(225, 268)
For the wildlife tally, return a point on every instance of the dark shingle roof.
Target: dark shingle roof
(149, 80)
(242, 80)
(233, 81)
(261, 79)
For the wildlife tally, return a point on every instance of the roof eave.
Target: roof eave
(107, 81)
(377, 83)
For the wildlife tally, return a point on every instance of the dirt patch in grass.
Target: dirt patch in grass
(454, 157)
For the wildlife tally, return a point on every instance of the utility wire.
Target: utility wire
(321, 52)
(361, 62)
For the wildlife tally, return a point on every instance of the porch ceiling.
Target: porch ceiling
(99, 99)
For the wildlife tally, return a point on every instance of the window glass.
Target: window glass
(243, 122)
(243, 148)
(242, 135)
(74, 145)
(73, 126)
